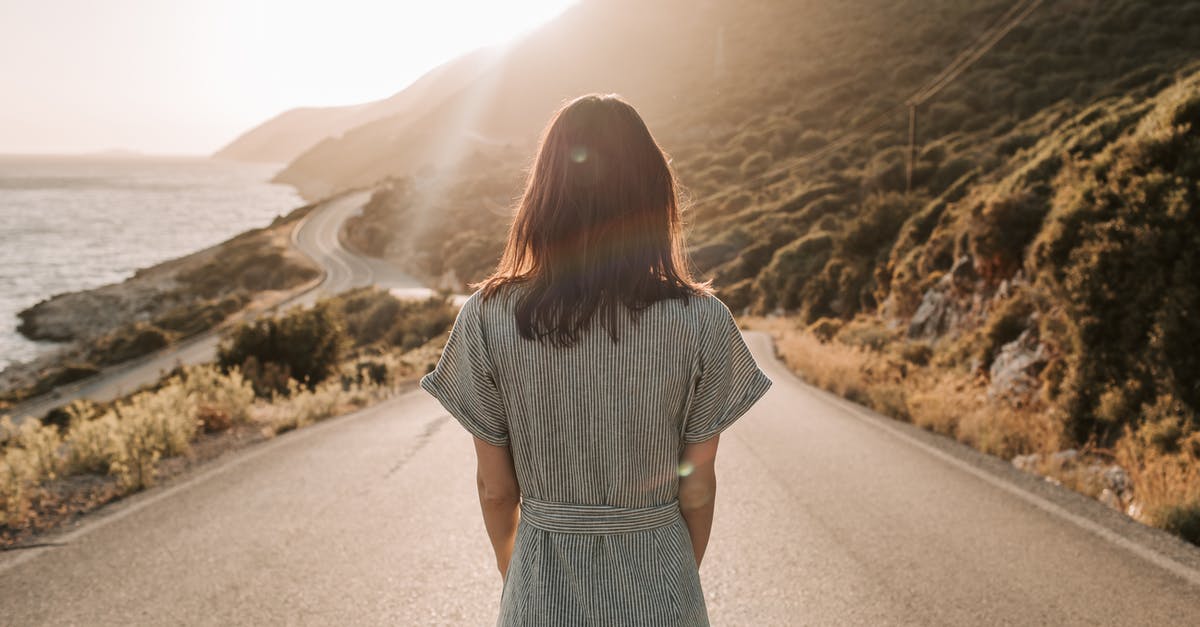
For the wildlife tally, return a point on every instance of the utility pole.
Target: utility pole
(912, 145)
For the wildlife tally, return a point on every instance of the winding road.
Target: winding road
(827, 514)
(317, 237)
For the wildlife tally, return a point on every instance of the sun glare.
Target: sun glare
(187, 76)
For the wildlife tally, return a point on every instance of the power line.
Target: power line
(972, 53)
(932, 90)
(964, 60)
(960, 61)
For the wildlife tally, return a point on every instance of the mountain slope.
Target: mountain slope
(593, 46)
(1043, 260)
(291, 133)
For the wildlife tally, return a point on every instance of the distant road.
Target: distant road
(316, 236)
(826, 514)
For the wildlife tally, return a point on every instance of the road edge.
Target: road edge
(1153, 545)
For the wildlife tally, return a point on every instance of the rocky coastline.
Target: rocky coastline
(157, 306)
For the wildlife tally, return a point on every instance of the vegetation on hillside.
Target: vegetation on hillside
(1064, 282)
(1044, 259)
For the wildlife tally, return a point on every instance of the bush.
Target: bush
(129, 438)
(825, 328)
(785, 281)
(227, 395)
(89, 444)
(1119, 256)
(308, 343)
(150, 426)
(129, 342)
(1182, 520)
(378, 320)
(30, 456)
(267, 379)
(999, 231)
(756, 164)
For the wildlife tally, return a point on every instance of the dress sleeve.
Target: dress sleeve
(728, 384)
(464, 380)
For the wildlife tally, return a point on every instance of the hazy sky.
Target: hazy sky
(187, 76)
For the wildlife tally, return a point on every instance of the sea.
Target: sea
(74, 223)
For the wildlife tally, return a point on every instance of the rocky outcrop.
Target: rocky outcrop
(157, 305)
(1109, 483)
(89, 313)
(1014, 372)
(945, 306)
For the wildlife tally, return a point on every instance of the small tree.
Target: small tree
(307, 344)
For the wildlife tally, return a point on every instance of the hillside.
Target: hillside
(592, 46)
(291, 133)
(1044, 259)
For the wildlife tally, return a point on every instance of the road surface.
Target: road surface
(316, 236)
(826, 514)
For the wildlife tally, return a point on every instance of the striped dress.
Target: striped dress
(596, 431)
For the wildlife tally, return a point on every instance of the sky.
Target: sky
(188, 76)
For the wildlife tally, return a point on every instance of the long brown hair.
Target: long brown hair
(598, 228)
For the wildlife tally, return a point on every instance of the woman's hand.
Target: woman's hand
(698, 492)
(499, 499)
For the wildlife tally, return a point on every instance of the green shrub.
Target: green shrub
(785, 281)
(247, 262)
(129, 342)
(999, 231)
(378, 320)
(307, 342)
(1119, 255)
(1182, 520)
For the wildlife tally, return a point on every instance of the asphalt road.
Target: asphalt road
(315, 236)
(318, 237)
(826, 514)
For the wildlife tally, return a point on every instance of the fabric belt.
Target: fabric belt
(573, 518)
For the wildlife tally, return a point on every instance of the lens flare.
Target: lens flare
(579, 154)
(685, 469)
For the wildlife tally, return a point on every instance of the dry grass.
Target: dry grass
(1165, 473)
(301, 407)
(125, 443)
(1162, 458)
(940, 400)
(952, 404)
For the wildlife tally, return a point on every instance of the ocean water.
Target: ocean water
(73, 223)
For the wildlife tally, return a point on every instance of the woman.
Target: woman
(596, 375)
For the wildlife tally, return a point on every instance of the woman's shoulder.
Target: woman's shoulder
(709, 306)
(489, 302)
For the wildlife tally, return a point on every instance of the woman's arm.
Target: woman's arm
(499, 498)
(698, 491)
